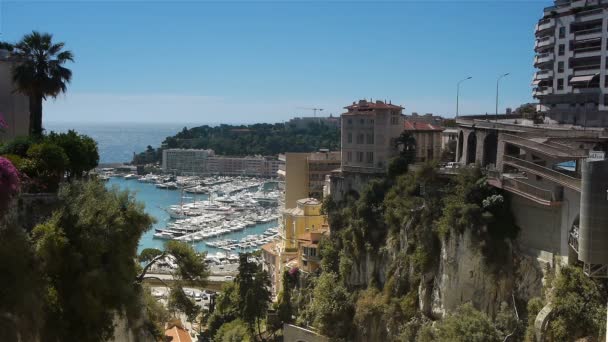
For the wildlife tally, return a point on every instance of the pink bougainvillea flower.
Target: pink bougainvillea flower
(9, 179)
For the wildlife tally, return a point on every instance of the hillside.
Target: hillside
(241, 140)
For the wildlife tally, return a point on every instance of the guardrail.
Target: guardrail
(545, 196)
(555, 176)
(547, 149)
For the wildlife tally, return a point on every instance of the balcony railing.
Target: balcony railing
(590, 51)
(532, 192)
(543, 58)
(545, 24)
(541, 91)
(552, 175)
(589, 15)
(543, 42)
(543, 75)
(595, 32)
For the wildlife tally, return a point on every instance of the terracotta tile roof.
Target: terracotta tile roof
(270, 248)
(420, 126)
(178, 334)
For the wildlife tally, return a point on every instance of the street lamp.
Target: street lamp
(458, 92)
(497, 81)
(586, 109)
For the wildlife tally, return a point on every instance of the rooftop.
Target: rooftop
(421, 126)
(364, 105)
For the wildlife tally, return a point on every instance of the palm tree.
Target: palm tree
(40, 72)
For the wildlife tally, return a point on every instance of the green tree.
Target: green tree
(234, 331)
(284, 307)
(579, 308)
(148, 254)
(332, 309)
(226, 308)
(467, 324)
(253, 285)
(86, 252)
(80, 150)
(48, 164)
(40, 72)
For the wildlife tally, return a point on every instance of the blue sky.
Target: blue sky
(260, 61)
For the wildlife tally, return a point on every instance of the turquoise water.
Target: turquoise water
(155, 199)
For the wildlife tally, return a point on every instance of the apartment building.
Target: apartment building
(14, 107)
(254, 166)
(185, 161)
(369, 130)
(304, 174)
(571, 82)
(428, 140)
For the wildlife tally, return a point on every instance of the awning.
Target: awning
(536, 82)
(581, 79)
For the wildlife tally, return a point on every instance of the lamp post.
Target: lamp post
(458, 92)
(497, 81)
(586, 109)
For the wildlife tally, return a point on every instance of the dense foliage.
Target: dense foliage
(9, 181)
(240, 140)
(242, 304)
(73, 276)
(43, 162)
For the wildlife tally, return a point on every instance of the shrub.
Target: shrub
(49, 163)
(9, 181)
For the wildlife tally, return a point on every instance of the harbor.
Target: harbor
(222, 216)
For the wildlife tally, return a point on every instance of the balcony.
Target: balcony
(594, 14)
(545, 24)
(544, 42)
(552, 175)
(511, 184)
(592, 51)
(542, 91)
(543, 75)
(586, 70)
(593, 33)
(544, 58)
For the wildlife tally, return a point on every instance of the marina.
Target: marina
(222, 216)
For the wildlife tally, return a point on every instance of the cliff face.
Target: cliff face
(460, 275)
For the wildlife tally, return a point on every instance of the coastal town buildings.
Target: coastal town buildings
(428, 140)
(14, 107)
(252, 166)
(571, 82)
(185, 161)
(309, 259)
(205, 162)
(428, 118)
(369, 130)
(304, 174)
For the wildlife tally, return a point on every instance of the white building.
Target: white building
(185, 161)
(253, 166)
(571, 50)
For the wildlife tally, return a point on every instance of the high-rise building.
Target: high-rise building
(186, 161)
(369, 130)
(14, 107)
(304, 174)
(571, 51)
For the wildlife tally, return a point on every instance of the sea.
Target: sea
(118, 141)
(116, 144)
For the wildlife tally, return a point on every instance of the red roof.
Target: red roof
(367, 105)
(421, 126)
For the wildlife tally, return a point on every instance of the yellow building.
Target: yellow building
(304, 174)
(308, 249)
(304, 218)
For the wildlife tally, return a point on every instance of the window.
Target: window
(360, 138)
(371, 121)
(360, 157)
(394, 120)
(562, 49)
(312, 252)
(350, 138)
(350, 121)
(562, 32)
(370, 157)
(349, 156)
(560, 84)
(370, 138)
(560, 66)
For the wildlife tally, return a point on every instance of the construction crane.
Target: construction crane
(313, 109)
